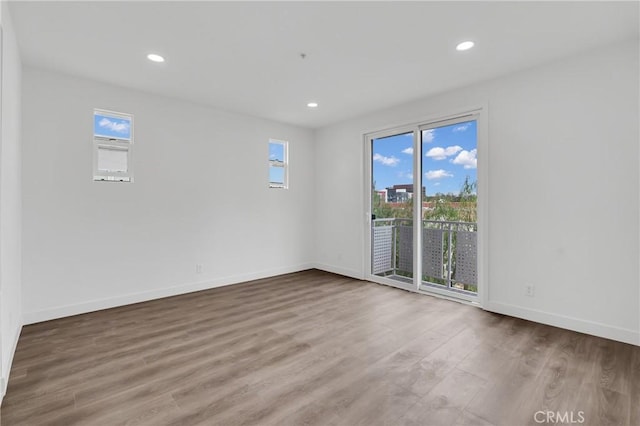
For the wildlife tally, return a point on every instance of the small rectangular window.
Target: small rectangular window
(112, 146)
(278, 164)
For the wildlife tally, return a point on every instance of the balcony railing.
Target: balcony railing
(449, 252)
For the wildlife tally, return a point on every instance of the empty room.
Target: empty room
(319, 213)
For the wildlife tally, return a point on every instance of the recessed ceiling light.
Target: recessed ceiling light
(312, 105)
(155, 58)
(465, 45)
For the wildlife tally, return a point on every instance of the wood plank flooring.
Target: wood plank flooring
(313, 348)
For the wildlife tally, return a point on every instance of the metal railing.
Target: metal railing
(449, 252)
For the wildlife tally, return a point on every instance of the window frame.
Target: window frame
(284, 164)
(113, 143)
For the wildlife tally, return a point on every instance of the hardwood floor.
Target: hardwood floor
(313, 348)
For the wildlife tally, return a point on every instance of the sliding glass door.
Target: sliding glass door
(423, 204)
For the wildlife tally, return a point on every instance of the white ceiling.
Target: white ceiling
(362, 56)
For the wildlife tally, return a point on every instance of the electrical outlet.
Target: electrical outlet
(198, 268)
(530, 290)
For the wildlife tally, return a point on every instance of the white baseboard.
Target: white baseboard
(582, 326)
(570, 323)
(97, 305)
(358, 275)
(4, 381)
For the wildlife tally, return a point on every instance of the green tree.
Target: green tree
(455, 208)
(468, 211)
(381, 209)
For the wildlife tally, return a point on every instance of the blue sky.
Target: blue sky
(111, 127)
(448, 156)
(276, 152)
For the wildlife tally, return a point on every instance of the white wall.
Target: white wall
(563, 182)
(200, 196)
(10, 200)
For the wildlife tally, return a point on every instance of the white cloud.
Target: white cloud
(428, 135)
(467, 159)
(387, 161)
(461, 128)
(408, 150)
(436, 183)
(437, 174)
(122, 127)
(439, 153)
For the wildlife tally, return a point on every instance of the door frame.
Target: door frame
(368, 139)
(478, 113)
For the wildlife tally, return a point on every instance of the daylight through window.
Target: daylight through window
(278, 164)
(112, 146)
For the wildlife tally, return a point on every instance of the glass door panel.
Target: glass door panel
(392, 200)
(449, 207)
